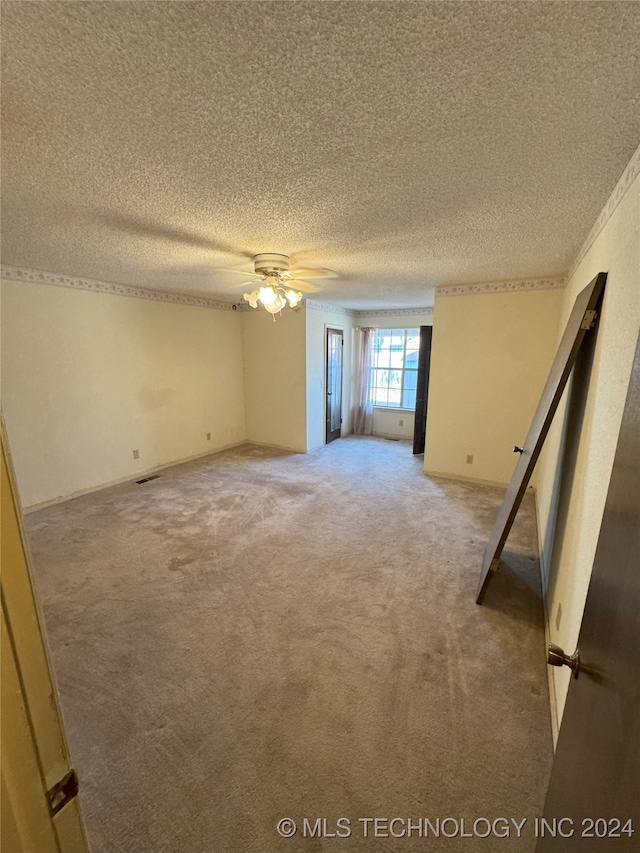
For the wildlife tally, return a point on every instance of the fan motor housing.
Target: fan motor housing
(270, 263)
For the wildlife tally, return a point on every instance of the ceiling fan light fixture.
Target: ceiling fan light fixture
(269, 296)
(294, 297)
(276, 282)
(273, 297)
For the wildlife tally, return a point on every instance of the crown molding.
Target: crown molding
(38, 277)
(501, 286)
(629, 175)
(395, 312)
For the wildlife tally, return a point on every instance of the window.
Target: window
(394, 371)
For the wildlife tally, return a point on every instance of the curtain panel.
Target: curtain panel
(364, 392)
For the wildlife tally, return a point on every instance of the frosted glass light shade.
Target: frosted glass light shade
(273, 297)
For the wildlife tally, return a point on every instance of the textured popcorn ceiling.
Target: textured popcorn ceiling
(403, 145)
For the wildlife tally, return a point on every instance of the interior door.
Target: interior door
(595, 781)
(422, 393)
(40, 810)
(333, 385)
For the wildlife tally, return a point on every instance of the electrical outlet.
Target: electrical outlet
(469, 459)
(208, 436)
(136, 454)
(558, 617)
(401, 422)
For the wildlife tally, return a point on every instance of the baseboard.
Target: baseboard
(390, 435)
(544, 574)
(448, 476)
(137, 475)
(317, 447)
(275, 446)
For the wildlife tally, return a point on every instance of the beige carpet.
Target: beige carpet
(260, 635)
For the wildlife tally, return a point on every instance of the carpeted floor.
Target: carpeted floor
(260, 635)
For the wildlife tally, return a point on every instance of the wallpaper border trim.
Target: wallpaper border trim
(75, 283)
(396, 312)
(502, 286)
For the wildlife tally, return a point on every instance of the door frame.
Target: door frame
(332, 327)
(596, 764)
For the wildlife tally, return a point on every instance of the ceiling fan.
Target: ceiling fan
(276, 282)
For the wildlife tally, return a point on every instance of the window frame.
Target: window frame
(403, 370)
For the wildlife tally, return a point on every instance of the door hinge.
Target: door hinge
(340, 421)
(63, 792)
(589, 319)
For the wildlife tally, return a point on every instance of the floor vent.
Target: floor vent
(146, 479)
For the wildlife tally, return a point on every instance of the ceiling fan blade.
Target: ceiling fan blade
(313, 273)
(158, 231)
(290, 283)
(298, 284)
(252, 283)
(204, 271)
(240, 272)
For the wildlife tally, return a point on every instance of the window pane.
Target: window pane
(413, 339)
(397, 357)
(410, 384)
(397, 339)
(411, 361)
(381, 358)
(381, 378)
(380, 385)
(411, 379)
(380, 396)
(395, 379)
(383, 339)
(409, 399)
(394, 397)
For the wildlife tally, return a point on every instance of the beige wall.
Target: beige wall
(89, 377)
(393, 320)
(490, 358)
(318, 321)
(274, 357)
(591, 441)
(386, 422)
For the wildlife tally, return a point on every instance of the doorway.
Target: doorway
(593, 791)
(333, 385)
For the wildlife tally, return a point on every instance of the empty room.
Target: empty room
(320, 393)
